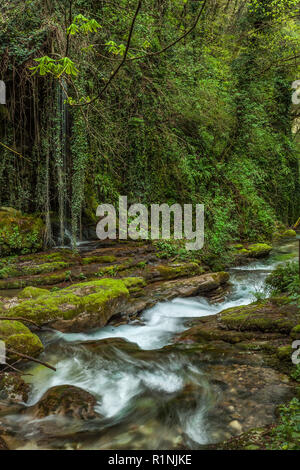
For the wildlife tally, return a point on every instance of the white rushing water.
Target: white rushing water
(117, 379)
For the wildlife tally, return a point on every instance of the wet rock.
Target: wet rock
(265, 316)
(67, 401)
(172, 271)
(188, 287)
(77, 307)
(3, 445)
(13, 388)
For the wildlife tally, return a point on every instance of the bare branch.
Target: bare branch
(24, 356)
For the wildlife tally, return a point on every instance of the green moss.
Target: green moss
(295, 333)
(34, 281)
(243, 251)
(86, 297)
(259, 250)
(19, 338)
(180, 270)
(141, 264)
(284, 353)
(29, 344)
(17, 271)
(288, 234)
(131, 282)
(32, 293)
(252, 317)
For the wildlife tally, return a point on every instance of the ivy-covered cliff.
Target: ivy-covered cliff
(206, 119)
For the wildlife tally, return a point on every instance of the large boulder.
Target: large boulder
(78, 307)
(67, 401)
(19, 233)
(19, 338)
(267, 316)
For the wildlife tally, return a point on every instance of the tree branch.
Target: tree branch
(114, 73)
(24, 356)
(178, 39)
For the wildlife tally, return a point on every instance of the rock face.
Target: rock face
(19, 338)
(67, 401)
(19, 234)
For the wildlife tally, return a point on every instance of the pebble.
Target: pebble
(236, 426)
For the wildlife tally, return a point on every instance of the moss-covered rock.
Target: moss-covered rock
(3, 445)
(31, 292)
(132, 282)
(18, 337)
(261, 316)
(19, 233)
(99, 259)
(284, 353)
(295, 333)
(42, 280)
(79, 306)
(18, 271)
(259, 250)
(13, 389)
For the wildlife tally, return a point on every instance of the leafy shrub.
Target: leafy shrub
(285, 279)
(286, 435)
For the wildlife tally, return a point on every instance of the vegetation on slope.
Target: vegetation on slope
(206, 121)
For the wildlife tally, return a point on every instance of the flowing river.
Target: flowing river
(148, 395)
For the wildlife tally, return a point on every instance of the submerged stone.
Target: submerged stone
(65, 400)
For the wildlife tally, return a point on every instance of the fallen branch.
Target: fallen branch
(25, 356)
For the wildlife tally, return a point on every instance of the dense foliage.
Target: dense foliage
(207, 121)
(285, 279)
